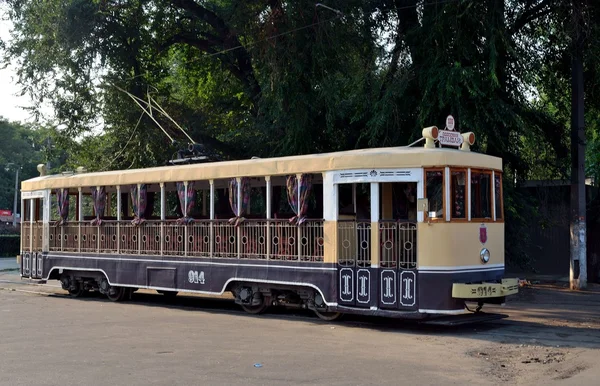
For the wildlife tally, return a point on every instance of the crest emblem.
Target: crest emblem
(483, 234)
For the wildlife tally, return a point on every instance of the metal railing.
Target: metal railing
(398, 242)
(354, 243)
(26, 235)
(252, 239)
(38, 235)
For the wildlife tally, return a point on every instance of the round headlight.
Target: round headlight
(484, 255)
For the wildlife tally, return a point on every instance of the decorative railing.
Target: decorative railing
(398, 244)
(354, 243)
(26, 236)
(38, 235)
(252, 239)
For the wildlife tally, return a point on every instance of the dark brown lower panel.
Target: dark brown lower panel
(433, 293)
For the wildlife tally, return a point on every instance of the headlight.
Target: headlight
(484, 255)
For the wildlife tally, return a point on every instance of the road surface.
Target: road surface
(551, 337)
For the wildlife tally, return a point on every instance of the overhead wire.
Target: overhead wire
(137, 101)
(126, 143)
(339, 15)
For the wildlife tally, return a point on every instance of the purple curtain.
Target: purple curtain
(245, 205)
(62, 198)
(190, 193)
(99, 197)
(302, 200)
(138, 203)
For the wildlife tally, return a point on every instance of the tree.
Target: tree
(267, 77)
(21, 148)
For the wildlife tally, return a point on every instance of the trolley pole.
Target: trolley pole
(578, 271)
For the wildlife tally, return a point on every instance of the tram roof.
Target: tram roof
(373, 158)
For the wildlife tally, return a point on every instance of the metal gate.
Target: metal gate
(354, 262)
(398, 263)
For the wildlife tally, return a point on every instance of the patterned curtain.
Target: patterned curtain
(138, 203)
(182, 193)
(292, 193)
(62, 197)
(246, 190)
(99, 197)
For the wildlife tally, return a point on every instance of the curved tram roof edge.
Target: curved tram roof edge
(377, 158)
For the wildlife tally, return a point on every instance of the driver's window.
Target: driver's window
(434, 191)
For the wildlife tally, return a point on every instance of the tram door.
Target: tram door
(354, 245)
(398, 246)
(32, 229)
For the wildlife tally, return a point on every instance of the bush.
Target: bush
(9, 245)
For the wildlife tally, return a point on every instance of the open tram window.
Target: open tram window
(434, 191)
(54, 215)
(73, 212)
(87, 206)
(481, 194)
(458, 194)
(355, 202)
(398, 201)
(498, 196)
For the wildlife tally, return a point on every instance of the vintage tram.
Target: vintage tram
(408, 232)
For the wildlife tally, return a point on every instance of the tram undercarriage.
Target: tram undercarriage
(252, 289)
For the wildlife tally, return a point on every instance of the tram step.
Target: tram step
(458, 320)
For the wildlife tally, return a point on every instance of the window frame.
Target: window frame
(467, 194)
(499, 175)
(492, 193)
(442, 170)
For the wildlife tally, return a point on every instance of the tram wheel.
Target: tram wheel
(259, 308)
(117, 295)
(167, 294)
(328, 316)
(77, 292)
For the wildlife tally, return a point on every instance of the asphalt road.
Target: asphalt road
(51, 339)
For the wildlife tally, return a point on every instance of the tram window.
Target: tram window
(404, 201)
(88, 207)
(54, 215)
(363, 201)
(345, 199)
(498, 196)
(458, 194)
(26, 210)
(73, 207)
(172, 210)
(481, 195)
(435, 192)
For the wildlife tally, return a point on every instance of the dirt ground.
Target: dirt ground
(552, 336)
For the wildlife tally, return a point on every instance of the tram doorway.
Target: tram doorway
(377, 228)
(354, 244)
(398, 246)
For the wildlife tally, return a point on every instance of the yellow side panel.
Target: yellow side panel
(457, 244)
(330, 251)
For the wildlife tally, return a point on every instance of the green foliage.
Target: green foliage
(9, 245)
(266, 77)
(21, 149)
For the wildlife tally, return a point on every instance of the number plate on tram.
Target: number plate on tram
(484, 291)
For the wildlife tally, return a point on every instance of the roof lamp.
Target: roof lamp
(430, 134)
(468, 141)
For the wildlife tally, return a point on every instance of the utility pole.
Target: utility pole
(578, 271)
(16, 195)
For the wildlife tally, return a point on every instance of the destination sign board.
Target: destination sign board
(450, 138)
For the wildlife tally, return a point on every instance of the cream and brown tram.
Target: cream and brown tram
(408, 232)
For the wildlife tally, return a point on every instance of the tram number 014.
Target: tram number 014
(196, 277)
(484, 291)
